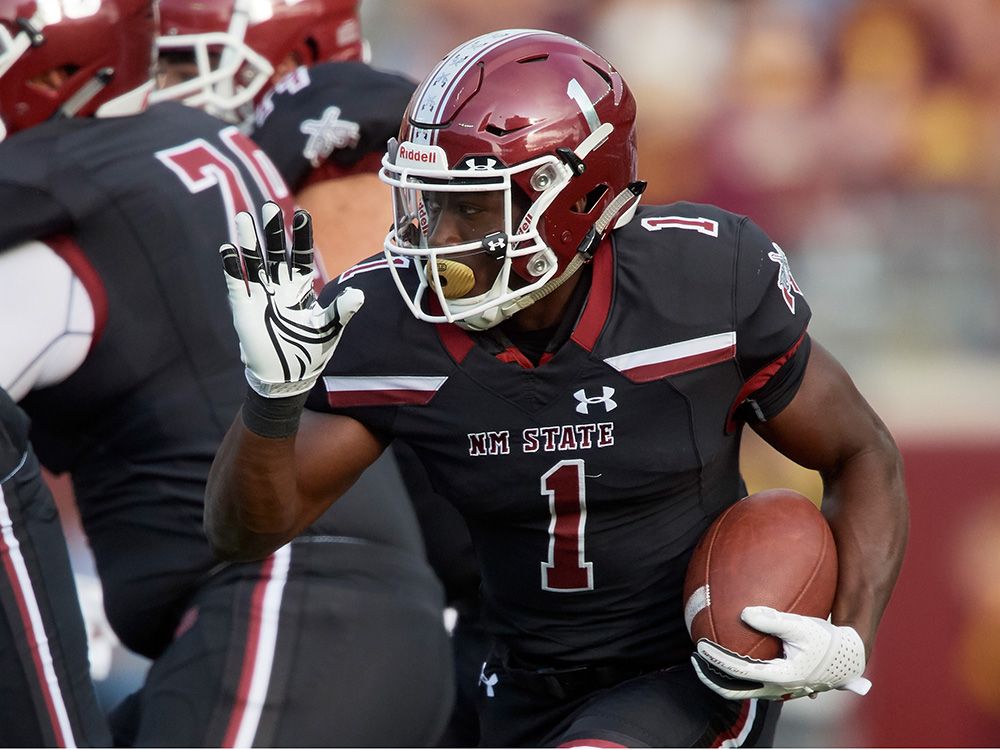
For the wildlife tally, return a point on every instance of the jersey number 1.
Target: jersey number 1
(566, 569)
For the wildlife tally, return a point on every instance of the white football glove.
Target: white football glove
(286, 337)
(818, 656)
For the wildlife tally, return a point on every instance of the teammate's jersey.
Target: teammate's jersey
(144, 203)
(333, 120)
(587, 481)
(330, 120)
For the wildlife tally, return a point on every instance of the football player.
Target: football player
(130, 371)
(296, 78)
(574, 370)
(48, 697)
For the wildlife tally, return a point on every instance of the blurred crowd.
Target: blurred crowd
(864, 135)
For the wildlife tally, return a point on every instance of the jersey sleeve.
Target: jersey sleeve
(351, 383)
(30, 213)
(772, 346)
(30, 183)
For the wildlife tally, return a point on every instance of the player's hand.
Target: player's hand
(286, 337)
(818, 656)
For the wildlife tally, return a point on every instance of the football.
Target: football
(773, 548)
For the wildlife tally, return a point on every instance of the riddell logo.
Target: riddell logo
(410, 154)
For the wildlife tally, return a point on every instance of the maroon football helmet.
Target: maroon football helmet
(238, 44)
(99, 52)
(538, 117)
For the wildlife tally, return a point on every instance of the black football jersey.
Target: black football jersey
(587, 481)
(330, 120)
(144, 203)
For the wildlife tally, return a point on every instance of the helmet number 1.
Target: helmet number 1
(575, 92)
(566, 568)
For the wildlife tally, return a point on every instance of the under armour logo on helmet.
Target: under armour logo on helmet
(587, 401)
(495, 244)
(479, 163)
(489, 682)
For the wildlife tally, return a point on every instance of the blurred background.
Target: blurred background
(864, 137)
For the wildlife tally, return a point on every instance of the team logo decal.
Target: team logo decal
(786, 282)
(489, 681)
(327, 134)
(604, 399)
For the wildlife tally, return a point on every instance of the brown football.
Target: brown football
(773, 548)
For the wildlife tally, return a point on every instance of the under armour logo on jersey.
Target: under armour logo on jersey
(327, 134)
(786, 282)
(489, 682)
(587, 401)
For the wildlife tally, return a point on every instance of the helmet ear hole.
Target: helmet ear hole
(586, 204)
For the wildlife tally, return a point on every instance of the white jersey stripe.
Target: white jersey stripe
(10, 549)
(420, 383)
(672, 352)
(267, 640)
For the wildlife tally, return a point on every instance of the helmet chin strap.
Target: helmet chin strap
(85, 93)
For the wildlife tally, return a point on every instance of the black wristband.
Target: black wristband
(273, 417)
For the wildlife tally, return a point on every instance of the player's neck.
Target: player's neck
(549, 310)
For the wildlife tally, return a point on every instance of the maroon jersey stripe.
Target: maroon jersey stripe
(67, 249)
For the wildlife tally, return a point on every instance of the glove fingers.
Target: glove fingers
(274, 238)
(349, 302)
(302, 242)
(231, 261)
(721, 682)
(346, 304)
(733, 664)
(772, 622)
(246, 235)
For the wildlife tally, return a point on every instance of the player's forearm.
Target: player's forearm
(251, 502)
(865, 503)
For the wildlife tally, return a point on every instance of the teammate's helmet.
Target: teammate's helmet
(238, 44)
(73, 59)
(538, 117)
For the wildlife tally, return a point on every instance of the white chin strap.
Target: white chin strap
(485, 319)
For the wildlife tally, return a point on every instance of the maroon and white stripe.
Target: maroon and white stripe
(699, 224)
(737, 734)
(31, 620)
(258, 657)
(646, 365)
(384, 390)
(441, 83)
